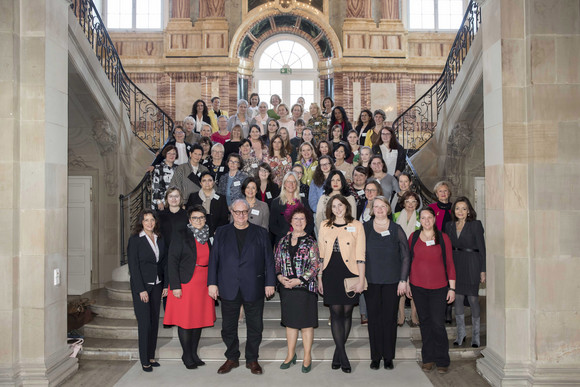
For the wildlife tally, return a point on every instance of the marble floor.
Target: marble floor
(105, 373)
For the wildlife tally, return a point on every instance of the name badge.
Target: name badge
(221, 169)
(216, 196)
(198, 174)
(255, 212)
(355, 153)
(268, 195)
(316, 123)
(237, 183)
(344, 173)
(302, 194)
(430, 243)
(361, 192)
(313, 168)
(364, 134)
(351, 229)
(228, 140)
(418, 224)
(284, 162)
(254, 165)
(385, 233)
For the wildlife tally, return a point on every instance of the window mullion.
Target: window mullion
(134, 14)
(436, 15)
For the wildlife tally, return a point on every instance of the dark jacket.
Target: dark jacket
(159, 158)
(278, 224)
(218, 211)
(143, 267)
(249, 272)
(182, 258)
(273, 190)
(401, 157)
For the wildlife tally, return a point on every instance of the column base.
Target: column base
(499, 373)
(51, 373)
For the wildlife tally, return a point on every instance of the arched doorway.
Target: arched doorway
(286, 65)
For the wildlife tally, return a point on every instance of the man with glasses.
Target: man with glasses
(241, 272)
(186, 176)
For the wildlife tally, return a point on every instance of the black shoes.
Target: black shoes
(389, 365)
(335, 366)
(346, 370)
(375, 364)
(147, 369)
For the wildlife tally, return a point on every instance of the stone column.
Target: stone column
(390, 10)
(212, 8)
(358, 9)
(33, 170)
(180, 9)
(531, 85)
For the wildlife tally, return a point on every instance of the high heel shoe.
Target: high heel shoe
(147, 368)
(401, 324)
(306, 369)
(460, 320)
(285, 366)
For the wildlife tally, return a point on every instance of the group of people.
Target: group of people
(307, 212)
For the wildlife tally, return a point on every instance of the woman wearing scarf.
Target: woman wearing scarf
(189, 305)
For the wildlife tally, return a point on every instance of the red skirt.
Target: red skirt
(195, 308)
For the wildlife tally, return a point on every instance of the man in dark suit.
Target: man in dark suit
(241, 272)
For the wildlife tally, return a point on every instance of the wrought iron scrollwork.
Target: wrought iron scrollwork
(418, 123)
(148, 121)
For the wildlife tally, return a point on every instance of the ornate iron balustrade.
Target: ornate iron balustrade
(417, 124)
(148, 121)
(130, 206)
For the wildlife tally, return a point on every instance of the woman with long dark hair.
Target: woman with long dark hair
(339, 117)
(325, 165)
(432, 286)
(378, 171)
(278, 159)
(342, 250)
(200, 115)
(466, 235)
(335, 184)
(365, 123)
(189, 305)
(147, 262)
(267, 189)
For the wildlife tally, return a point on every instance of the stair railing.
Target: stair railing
(416, 125)
(148, 121)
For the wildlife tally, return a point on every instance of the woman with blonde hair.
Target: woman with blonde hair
(317, 123)
(284, 204)
(307, 158)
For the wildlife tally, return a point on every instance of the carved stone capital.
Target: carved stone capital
(107, 142)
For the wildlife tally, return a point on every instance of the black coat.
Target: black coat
(278, 224)
(401, 157)
(273, 190)
(143, 267)
(182, 259)
(218, 211)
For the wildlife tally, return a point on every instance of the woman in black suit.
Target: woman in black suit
(215, 205)
(466, 235)
(147, 262)
(189, 305)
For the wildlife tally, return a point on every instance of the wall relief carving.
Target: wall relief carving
(458, 145)
(107, 142)
(76, 161)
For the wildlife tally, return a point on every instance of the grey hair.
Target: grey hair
(189, 119)
(217, 145)
(241, 101)
(240, 201)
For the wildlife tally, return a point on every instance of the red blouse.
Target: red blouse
(427, 270)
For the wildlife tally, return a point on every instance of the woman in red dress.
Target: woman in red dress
(188, 303)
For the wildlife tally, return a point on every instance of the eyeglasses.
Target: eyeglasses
(234, 162)
(370, 190)
(411, 201)
(197, 218)
(174, 196)
(325, 165)
(240, 213)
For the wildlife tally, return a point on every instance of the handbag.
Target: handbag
(350, 283)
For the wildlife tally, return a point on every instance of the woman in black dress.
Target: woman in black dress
(388, 262)
(297, 263)
(342, 250)
(466, 235)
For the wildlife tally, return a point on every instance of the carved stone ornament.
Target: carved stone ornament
(76, 161)
(106, 140)
(458, 144)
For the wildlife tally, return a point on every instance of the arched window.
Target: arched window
(286, 65)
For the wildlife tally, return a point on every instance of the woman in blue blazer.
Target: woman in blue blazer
(147, 264)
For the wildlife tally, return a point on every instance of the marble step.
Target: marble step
(211, 348)
(119, 290)
(458, 353)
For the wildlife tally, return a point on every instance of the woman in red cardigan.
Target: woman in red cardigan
(432, 286)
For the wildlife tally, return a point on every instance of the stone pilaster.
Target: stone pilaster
(33, 166)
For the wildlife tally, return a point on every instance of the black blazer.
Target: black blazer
(182, 259)
(274, 191)
(171, 223)
(218, 211)
(143, 267)
(248, 272)
(401, 157)
(159, 158)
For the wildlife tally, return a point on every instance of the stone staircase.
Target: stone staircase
(113, 333)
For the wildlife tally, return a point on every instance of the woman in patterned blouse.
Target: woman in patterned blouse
(278, 159)
(162, 174)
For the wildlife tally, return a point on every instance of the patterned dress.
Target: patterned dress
(162, 174)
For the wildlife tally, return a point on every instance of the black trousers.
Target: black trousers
(148, 322)
(254, 312)
(431, 304)
(382, 306)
